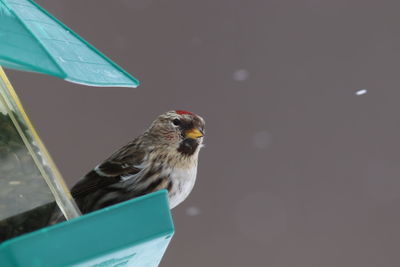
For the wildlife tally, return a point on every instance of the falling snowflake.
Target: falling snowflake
(361, 92)
(240, 75)
(192, 211)
(261, 139)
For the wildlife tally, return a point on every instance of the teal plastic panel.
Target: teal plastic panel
(133, 233)
(33, 40)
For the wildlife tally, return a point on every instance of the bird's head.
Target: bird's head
(179, 129)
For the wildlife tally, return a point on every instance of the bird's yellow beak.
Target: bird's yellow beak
(194, 133)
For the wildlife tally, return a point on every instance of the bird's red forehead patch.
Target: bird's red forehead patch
(182, 112)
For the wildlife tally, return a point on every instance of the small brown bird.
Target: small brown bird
(164, 157)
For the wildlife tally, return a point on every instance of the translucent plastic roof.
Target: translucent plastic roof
(33, 40)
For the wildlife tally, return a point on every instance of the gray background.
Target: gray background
(298, 169)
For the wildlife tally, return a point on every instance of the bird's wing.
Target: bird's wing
(124, 163)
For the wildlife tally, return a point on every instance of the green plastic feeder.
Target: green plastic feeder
(133, 233)
(33, 40)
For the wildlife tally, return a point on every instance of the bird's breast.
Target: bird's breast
(182, 184)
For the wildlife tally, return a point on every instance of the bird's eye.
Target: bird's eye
(176, 122)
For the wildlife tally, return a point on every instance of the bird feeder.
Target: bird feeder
(136, 232)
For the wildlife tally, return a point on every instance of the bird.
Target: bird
(165, 156)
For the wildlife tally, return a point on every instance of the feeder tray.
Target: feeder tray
(132, 233)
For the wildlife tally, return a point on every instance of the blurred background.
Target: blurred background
(301, 164)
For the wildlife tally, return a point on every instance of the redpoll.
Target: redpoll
(163, 157)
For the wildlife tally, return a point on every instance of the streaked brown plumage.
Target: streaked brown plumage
(164, 157)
